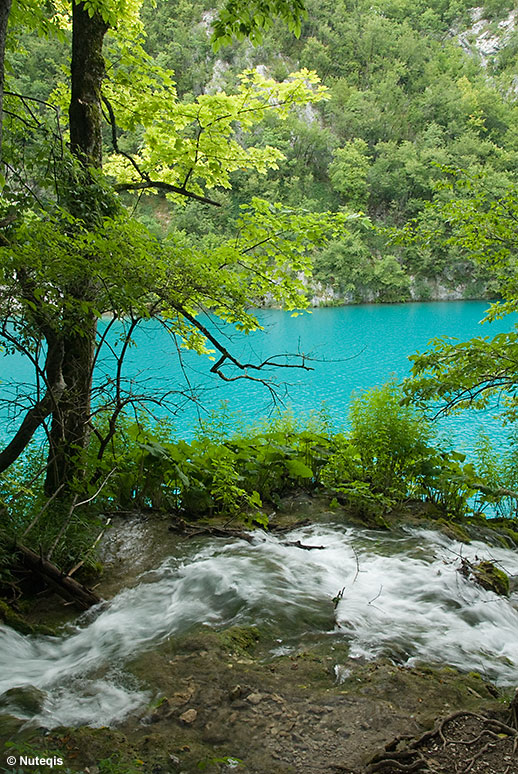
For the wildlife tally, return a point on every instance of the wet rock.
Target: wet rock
(189, 716)
(492, 578)
(255, 698)
(10, 725)
(26, 700)
(182, 697)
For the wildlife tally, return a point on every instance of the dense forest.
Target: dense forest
(414, 91)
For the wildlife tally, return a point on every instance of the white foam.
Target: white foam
(402, 598)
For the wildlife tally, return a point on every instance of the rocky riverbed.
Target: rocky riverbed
(239, 697)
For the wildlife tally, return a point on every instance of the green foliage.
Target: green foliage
(348, 173)
(442, 479)
(389, 458)
(29, 517)
(403, 101)
(389, 438)
(216, 473)
(498, 471)
(244, 19)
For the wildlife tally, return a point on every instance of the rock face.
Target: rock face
(482, 39)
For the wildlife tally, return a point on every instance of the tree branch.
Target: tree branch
(146, 182)
(168, 187)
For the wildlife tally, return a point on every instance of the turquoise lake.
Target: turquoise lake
(354, 348)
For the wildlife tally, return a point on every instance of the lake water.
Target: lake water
(353, 348)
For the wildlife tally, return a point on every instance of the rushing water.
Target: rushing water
(353, 348)
(402, 598)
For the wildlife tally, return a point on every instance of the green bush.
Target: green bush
(388, 438)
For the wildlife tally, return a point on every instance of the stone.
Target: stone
(255, 698)
(189, 716)
(26, 699)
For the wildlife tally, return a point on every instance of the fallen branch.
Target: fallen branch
(65, 586)
(189, 532)
(298, 544)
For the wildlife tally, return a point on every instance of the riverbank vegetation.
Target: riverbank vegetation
(385, 469)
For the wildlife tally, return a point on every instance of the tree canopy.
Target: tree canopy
(453, 375)
(72, 251)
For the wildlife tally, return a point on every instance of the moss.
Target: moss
(511, 534)
(240, 638)
(492, 578)
(16, 621)
(453, 530)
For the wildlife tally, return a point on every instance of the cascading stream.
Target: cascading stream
(402, 598)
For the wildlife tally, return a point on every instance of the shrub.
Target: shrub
(388, 438)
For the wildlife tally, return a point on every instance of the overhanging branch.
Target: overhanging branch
(146, 182)
(168, 187)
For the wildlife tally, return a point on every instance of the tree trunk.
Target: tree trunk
(5, 8)
(70, 427)
(87, 73)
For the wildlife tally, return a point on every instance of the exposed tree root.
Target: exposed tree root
(413, 756)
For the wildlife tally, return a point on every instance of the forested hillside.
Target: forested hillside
(414, 89)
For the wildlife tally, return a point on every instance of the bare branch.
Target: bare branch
(161, 186)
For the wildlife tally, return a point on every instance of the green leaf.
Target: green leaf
(298, 469)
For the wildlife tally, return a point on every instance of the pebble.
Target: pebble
(255, 698)
(189, 716)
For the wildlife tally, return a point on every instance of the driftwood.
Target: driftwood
(64, 585)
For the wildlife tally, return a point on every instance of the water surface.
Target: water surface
(349, 349)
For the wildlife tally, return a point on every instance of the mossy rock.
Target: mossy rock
(27, 700)
(240, 638)
(491, 578)
(453, 530)
(511, 534)
(14, 620)
(17, 622)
